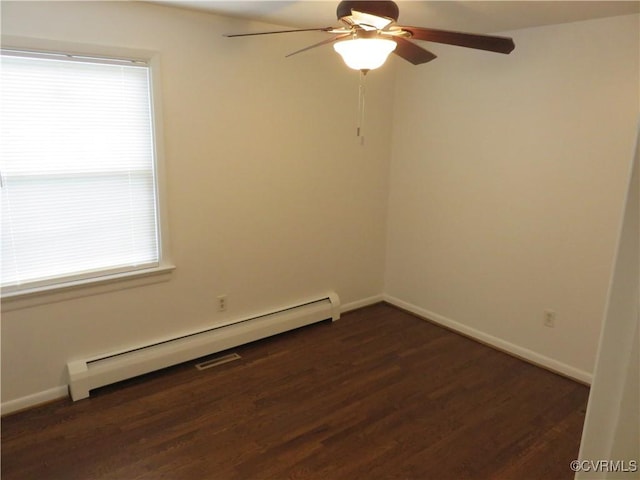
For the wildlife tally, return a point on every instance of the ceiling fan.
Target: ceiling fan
(370, 33)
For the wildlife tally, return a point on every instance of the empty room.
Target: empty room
(320, 240)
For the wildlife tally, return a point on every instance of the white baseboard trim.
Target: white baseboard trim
(365, 302)
(34, 399)
(530, 356)
(495, 342)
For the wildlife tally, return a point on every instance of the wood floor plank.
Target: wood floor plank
(379, 394)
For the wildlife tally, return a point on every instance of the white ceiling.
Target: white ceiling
(474, 16)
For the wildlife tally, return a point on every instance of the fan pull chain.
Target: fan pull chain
(361, 97)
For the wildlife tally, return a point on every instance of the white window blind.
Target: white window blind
(77, 169)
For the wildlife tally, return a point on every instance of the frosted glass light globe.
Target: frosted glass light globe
(365, 53)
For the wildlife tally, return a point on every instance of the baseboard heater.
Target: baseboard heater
(87, 374)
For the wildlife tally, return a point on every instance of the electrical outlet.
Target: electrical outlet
(222, 303)
(549, 318)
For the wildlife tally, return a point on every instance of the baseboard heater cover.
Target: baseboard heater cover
(87, 374)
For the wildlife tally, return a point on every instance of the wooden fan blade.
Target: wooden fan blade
(319, 44)
(325, 29)
(369, 20)
(470, 40)
(412, 52)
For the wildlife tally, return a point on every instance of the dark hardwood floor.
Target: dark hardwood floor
(379, 394)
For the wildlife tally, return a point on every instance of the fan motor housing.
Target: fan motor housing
(386, 9)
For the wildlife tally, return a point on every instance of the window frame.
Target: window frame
(71, 287)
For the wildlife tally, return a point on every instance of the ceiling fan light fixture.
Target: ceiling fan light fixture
(365, 53)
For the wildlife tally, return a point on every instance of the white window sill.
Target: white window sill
(86, 287)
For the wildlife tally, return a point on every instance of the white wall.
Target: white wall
(612, 424)
(270, 197)
(508, 176)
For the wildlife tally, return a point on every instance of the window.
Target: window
(78, 170)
